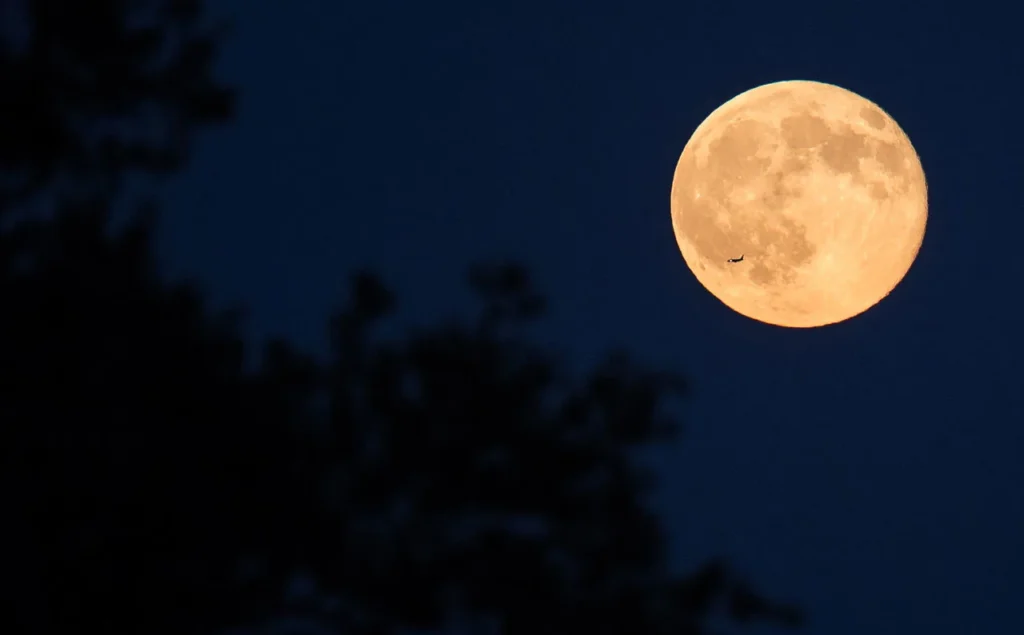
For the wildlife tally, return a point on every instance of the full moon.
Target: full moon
(799, 204)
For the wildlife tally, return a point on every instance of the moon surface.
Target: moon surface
(817, 189)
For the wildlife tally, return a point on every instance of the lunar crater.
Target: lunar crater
(873, 118)
(804, 131)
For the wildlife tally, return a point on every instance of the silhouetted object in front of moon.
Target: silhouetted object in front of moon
(820, 183)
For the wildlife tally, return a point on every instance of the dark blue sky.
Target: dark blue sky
(872, 470)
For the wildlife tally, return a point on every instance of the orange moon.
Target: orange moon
(816, 188)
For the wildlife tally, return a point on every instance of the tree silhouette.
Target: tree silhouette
(92, 91)
(154, 483)
(498, 485)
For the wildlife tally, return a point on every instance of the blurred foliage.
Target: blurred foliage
(93, 91)
(155, 484)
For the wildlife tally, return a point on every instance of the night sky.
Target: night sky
(870, 471)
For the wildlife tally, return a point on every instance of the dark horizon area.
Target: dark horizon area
(867, 472)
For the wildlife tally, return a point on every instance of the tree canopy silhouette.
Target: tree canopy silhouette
(90, 91)
(156, 483)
